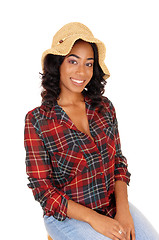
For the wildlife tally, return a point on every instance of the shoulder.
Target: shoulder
(109, 109)
(32, 113)
(108, 105)
(40, 112)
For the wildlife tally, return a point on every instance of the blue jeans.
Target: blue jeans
(71, 229)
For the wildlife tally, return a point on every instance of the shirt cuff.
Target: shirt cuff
(60, 209)
(121, 173)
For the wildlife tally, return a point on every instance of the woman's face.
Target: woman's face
(77, 68)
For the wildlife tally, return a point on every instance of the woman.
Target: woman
(74, 161)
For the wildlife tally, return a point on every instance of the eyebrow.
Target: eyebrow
(74, 55)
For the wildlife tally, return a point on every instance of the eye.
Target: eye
(89, 64)
(71, 61)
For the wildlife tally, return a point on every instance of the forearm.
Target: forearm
(123, 215)
(79, 212)
(121, 196)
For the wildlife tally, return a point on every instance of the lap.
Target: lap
(71, 229)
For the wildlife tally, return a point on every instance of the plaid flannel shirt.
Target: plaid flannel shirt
(63, 163)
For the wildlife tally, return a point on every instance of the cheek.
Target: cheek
(90, 73)
(64, 71)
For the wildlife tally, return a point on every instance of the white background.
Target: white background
(130, 31)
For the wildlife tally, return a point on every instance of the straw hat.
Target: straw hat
(65, 38)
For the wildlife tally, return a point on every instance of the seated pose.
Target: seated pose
(73, 155)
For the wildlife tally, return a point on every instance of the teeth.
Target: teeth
(77, 81)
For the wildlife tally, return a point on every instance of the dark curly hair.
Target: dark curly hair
(51, 77)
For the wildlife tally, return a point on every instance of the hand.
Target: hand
(107, 226)
(125, 219)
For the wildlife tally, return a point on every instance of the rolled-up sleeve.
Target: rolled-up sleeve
(121, 167)
(39, 171)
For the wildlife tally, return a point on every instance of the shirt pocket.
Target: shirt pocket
(67, 163)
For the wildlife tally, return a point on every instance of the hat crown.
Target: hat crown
(71, 29)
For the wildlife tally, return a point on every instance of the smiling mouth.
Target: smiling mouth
(77, 82)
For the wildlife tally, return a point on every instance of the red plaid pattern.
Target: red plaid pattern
(63, 163)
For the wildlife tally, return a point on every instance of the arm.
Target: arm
(122, 178)
(39, 171)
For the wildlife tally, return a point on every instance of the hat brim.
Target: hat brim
(66, 45)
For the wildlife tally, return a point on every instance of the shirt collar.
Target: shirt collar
(59, 114)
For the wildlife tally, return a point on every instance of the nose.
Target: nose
(80, 69)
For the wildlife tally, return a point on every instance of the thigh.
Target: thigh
(71, 229)
(143, 229)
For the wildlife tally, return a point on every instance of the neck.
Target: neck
(70, 99)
